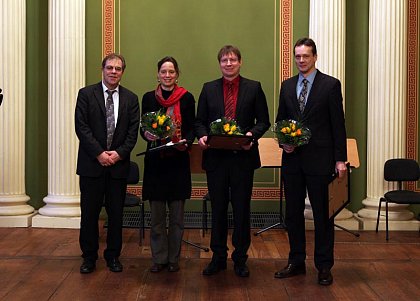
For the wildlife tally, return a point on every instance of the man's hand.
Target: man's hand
(247, 146)
(105, 159)
(288, 148)
(202, 142)
(340, 168)
(114, 156)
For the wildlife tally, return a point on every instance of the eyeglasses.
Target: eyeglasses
(227, 60)
(110, 68)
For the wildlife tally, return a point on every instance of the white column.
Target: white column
(66, 75)
(327, 27)
(14, 212)
(387, 93)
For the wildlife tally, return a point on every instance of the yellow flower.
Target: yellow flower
(230, 132)
(226, 127)
(161, 119)
(293, 134)
(233, 128)
(284, 130)
(287, 130)
(293, 127)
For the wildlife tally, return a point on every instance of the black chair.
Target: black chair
(399, 170)
(132, 200)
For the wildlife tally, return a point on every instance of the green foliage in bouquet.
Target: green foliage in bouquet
(157, 123)
(291, 132)
(225, 126)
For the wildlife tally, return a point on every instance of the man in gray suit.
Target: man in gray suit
(230, 173)
(107, 122)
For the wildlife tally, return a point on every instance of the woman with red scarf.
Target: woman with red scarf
(167, 176)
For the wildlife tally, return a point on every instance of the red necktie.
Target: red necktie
(229, 103)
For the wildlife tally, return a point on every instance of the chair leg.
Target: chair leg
(379, 213)
(386, 206)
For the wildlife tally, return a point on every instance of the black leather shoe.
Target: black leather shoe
(241, 270)
(173, 267)
(291, 270)
(114, 265)
(157, 267)
(214, 267)
(325, 277)
(87, 267)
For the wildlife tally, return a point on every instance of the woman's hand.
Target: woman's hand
(149, 136)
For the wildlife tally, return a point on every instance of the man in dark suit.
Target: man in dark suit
(230, 173)
(315, 99)
(107, 121)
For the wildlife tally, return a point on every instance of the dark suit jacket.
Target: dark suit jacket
(251, 116)
(90, 123)
(324, 116)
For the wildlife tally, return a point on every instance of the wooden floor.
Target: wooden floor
(43, 264)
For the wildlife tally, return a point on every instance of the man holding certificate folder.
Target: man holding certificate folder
(230, 172)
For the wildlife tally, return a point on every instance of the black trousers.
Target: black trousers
(95, 193)
(230, 182)
(296, 186)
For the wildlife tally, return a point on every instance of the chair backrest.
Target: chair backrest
(401, 170)
(134, 174)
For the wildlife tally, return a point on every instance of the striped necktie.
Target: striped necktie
(229, 102)
(110, 118)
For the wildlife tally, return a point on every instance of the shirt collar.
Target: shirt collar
(235, 81)
(310, 78)
(105, 88)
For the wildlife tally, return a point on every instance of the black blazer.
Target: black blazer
(251, 116)
(324, 116)
(90, 124)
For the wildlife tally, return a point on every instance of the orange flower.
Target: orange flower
(154, 125)
(298, 132)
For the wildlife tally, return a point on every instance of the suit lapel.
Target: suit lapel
(312, 94)
(122, 106)
(294, 96)
(241, 95)
(219, 97)
(99, 96)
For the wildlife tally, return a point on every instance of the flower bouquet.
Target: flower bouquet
(158, 123)
(224, 126)
(291, 132)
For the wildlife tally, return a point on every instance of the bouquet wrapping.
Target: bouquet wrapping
(291, 132)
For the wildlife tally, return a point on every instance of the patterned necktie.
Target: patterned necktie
(110, 119)
(229, 104)
(302, 95)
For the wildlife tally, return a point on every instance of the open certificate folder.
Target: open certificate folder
(229, 142)
(338, 195)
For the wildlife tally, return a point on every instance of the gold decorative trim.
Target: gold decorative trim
(412, 122)
(197, 193)
(286, 36)
(108, 27)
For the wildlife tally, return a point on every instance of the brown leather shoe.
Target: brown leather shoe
(325, 277)
(157, 267)
(291, 270)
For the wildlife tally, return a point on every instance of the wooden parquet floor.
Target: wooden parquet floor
(43, 264)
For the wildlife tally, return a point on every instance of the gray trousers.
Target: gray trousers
(166, 244)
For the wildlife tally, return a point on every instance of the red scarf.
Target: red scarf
(173, 100)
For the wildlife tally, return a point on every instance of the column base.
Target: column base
(17, 221)
(42, 221)
(410, 225)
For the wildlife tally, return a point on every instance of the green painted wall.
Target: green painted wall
(36, 156)
(191, 31)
